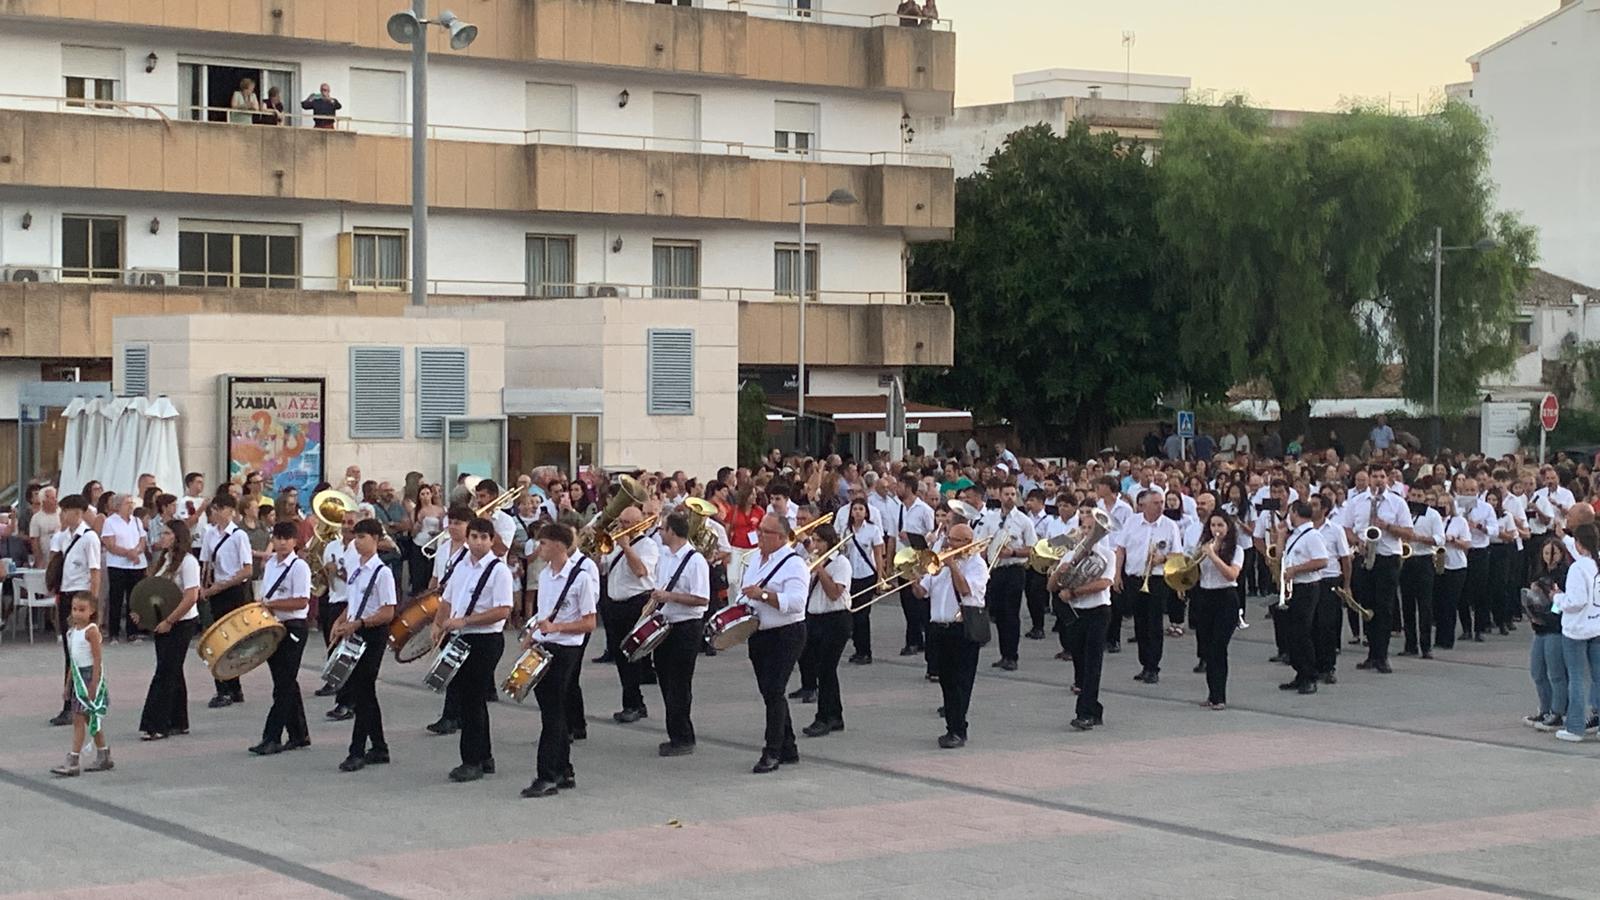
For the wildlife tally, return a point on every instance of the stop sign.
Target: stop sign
(1549, 412)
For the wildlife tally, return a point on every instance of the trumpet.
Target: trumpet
(606, 541)
(1349, 600)
(506, 498)
(1150, 564)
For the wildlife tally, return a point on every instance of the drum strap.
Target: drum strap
(451, 569)
(483, 580)
(571, 577)
(864, 557)
(774, 572)
(281, 576)
(367, 594)
(673, 581)
(620, 555)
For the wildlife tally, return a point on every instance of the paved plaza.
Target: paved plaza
(1419, 785)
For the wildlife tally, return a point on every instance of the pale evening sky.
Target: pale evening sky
(1285, 53)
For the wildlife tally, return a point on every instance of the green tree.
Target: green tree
(1051, 274)
(752, 424)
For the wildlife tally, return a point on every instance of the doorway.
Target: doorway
(207, 87)
(568, 441)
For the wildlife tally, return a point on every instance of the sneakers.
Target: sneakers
(102, 762)
(1533, 720)
(69, 769)
(1565, 735)
(1548, 723)
(1592, 726)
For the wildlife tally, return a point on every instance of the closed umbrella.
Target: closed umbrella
(158, 454)
(93, 446)
(121, 475)
(72, 446)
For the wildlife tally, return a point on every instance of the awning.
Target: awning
(866, 414)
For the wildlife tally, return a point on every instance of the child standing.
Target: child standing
(88, 689)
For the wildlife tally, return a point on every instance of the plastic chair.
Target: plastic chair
(29, 591)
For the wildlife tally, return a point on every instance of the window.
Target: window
(550, 265)
(552, 113)
(676, 266)
(677, 122)
(91, 73)
(1522, 331)
(208, 87)
(441, 388)
(378, 260)
(237, 254)
(91, 248)
(800, 8)
(669, 372)
(377, 392)
(380, 95)
(795, 129)
(786, 278)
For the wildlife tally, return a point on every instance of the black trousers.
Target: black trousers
(362, 695)
(1034, 589)
(327, 614)
(1385, 579)
(956, 663)
(166, 706)
(1280, 626)
(861, 620)
(222, 604)
(467, 695)
(576, 723)
(1361, 588)
(1084, 636)
(621, 616)
(675, 659)
(288, 712)
(773, 654)
(1121, 608)
(1250, 574)
(1473, 606)
(553, 692)
(1148, 610)
(1446, 598)
(1299, 616)
(1326, 627)
(916, 611)
(1215, 614)
(826, 635)
(120, 583)
(1499, 577)
(1003, 598)
(1416, 602)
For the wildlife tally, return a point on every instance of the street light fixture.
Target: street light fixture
(410, 27)
(836, 197)
(1482, 245)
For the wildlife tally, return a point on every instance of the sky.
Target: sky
(1290, 54)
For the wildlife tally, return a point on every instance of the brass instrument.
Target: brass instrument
(915, 565)
(701, 536)
(907, 564)
(507, 498)
(1349, 600)
(1150, 564)
(1438, 560)
(1084, 565)
(1181, 571)
(1369, 546)
(1405, 550)
(798, 536)
(965, 510)
(330, 507)
(816, 564)
(629, 492)
(606, 541)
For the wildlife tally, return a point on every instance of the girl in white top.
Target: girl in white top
(1580, 631)
(1214, 606)
(88, 688)
(166, 706)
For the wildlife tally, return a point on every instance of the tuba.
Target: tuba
(330, 508)
(629, 492)
(1082, 565)
(702, 536)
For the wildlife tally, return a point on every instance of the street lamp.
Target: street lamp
(836, 197)
(1484, 245)
(411, 27)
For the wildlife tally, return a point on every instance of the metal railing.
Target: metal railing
(829, 17)
(169, 113)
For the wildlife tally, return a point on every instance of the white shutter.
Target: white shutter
(441, 387)
(136, 370)
(377, 392)
(797, 117)
(669, 372)
(91, 62)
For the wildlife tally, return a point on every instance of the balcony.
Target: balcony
(138, 147)
(879, 335)
(747, 41)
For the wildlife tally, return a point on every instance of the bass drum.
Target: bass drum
(240, 641)
(411, 632)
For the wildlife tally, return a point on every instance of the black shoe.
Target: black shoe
(1365, 664)
(767, 763)
(1036, 634)
(1290, 686)
(949, 741)
(1114, 647)
(1153, 678)
(1309, 687)
(1329, 678)
(997, 663)
(578, 734)
(804, 695)
(219, 701)
(1407, 652)
(931, 677)
(326, 690)
(443, 726)
(1503, 630)
(1143, 674)
(568, 781)
(267, 748)
(909, 650)
(465, 772)
(540, 788)
(353, 764)
(341, 713)
(861, 660)
(668, 748)
(1008, 665)
(789, 755)
(1083, 723)
(1277, 657)
(605, 657)
(1383, 668)
(62, 718)
(820, 728)
(1199, 667)
(1427, 654)
(1478, 638)
(296, 744)
(487, 766)
(377, 757)
(629, 716)
(711, 651)
(1354, 642)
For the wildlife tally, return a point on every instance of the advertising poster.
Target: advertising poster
(275, 427)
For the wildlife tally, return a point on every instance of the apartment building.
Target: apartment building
(612, 190)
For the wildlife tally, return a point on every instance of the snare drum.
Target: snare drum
(645, 637)
(411, 632)
(530, 668)
(447, 664)
(342, 661)
(732, 625)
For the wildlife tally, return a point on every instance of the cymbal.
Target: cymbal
(153, 599)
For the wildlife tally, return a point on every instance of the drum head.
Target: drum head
(248, 653)
(735, 634)
(416, 646)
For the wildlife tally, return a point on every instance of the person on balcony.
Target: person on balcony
(323, 107)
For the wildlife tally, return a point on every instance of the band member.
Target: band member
(1502, 546)
(685, 579)
(1271, 532)
(774, 585)
(505, 527)
(1547, 508)
(1108, 497)
(912, 517)
(1044, 522)
(370, 609)
(225, 556)
(1196, 531)
(960, 583)
(1082, 613)
(1214, 605)
(1142, 546)
(351, 561)
(1452, 582)
(448, 556)
(1388, 512)
(629, 572)
(166, 706)
(1304, 557)
(1354, 514)
(1325, 623)
(1482, 524)
(332, 607)
(1417, 577)
(475, 605)
(1065, 521)
(569, 592)
(288, 592)
(828, 629)
(1010, 535)
(81, 566)
(865, 553)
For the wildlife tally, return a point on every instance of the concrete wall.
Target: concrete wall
(1046, 83)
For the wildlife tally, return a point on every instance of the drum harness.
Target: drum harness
(285, 574)
(555, 610)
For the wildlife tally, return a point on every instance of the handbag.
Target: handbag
(975, 621)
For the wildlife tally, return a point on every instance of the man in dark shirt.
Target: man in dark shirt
(322, 106)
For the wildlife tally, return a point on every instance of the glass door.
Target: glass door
(474, 446)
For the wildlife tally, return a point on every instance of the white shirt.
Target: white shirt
(1303, 546)
(227, 549)
(496, 591)
(942, 600)
(505, 528)
(1580, 602)
(838, 568)
(1119, 511)
(581, 599)
(790, 513)
(1102, 597)
(1338, 547)
(374, 574)
(448, 555)
(84, 558)
(1211, 578)
(914, 519)
(1017, 528)
(1516, 506)
(621, 582)
(1431, 526)
(1054, 526)
(295, 585)
(1482, 523)
(186, 578)
(333, 554)
(882, 508)
(125, 535)
(1455, 530)
(1138, 536)
(1553, 506)
(1392, 510)
(863, 564)
(788, 580)
(694, 580)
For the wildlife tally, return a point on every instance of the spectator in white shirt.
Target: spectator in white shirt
(125, 544)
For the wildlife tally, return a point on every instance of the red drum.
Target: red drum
(645, 637)
(732, 625)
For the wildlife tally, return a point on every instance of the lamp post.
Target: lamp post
(836, 197)
(1436, 424)
(410, 27)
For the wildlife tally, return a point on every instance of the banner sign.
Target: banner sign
(275, 428)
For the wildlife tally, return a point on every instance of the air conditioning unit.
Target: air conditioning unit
(151, 277)
(20, 274)
(604, 290)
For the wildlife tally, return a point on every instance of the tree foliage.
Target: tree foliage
(752, 430)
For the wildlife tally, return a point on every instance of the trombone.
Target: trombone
(924, 562)
(606, 541)
(798, 536)
(506, 498)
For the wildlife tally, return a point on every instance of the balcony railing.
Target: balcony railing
(792, 11)
(588, 139)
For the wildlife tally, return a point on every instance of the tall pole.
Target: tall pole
(800, 386)
(419, 159)
(1437, 426)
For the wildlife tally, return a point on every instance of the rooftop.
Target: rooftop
(1547, 290)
